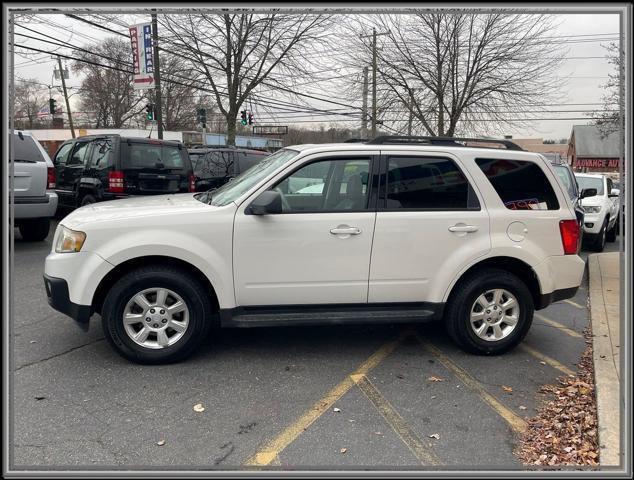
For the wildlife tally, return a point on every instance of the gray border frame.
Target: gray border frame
(624, 10)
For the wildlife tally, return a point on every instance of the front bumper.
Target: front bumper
(592, 223)
(59, 299)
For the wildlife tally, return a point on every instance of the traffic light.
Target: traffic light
(243, 117)
(149, 112)
(201, 116)
(250, 118)
(52, 105)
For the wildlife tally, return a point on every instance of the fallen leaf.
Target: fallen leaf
(33, 341)
(435, 435)
(543, 363)
(336, 409)
(507, 389)
(435, 379)
(378, 433)
(199, 408)
(40, 397)
(433, 396)
(160, 443)
(343, 450)
(398, 375)
(522, 407)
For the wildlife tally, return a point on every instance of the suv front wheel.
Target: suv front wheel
(156, 315)
(490, 312)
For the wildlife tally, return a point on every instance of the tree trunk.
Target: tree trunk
(231, 128)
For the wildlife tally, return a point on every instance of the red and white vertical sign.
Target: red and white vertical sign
(142, 56)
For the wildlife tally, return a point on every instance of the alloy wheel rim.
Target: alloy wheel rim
(494, 315)
(155, 318)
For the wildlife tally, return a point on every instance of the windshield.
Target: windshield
(243, 182)
(591, 182)
(567, 180)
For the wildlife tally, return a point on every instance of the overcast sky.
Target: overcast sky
(586, 35)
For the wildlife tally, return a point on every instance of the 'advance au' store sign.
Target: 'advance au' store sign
(597, 163)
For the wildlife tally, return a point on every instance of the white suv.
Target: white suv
(393, 230)
(601, 210)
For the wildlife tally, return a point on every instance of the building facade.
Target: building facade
(590, 151)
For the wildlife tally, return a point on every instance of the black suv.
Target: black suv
(95, 168)
(214, 167)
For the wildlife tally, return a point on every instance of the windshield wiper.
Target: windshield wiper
(208, 193)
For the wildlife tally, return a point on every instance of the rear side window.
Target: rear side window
(216, 164)
(25, 149)
(149, 155)
(567, 179)
(427, 183)
(247, 160)
(102, 154)
(521, 185)
(62, 154)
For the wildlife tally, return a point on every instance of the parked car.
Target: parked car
(399, 232)
(214, 167)
(567, 177)
(34, 197)
(601, 210)
(96, 168)
(617, 185)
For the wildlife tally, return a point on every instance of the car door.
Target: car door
(317, 251)
(74, 169)
(430, 223)
(63, 190)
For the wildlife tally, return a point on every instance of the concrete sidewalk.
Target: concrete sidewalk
(605, 315)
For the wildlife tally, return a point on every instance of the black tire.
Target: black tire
(463, 296)
(599, 243)
(87, 200)
(35, 229)
(195, 296)
(611, 235)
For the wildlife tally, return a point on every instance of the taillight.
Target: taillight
(192, 183)
(115, 181)
(51, 179)
(570, 236)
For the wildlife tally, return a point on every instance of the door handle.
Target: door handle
(344, 230)
(463, 228)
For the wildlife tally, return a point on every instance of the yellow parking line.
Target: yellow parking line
(516, 422)
(570, 302)
(398, 424)
(546, 359)
(273, 448)
(558, 325)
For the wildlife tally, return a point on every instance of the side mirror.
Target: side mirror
(588, 192)
(267, 203)
(614, 193)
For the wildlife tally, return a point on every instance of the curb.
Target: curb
(604, 313)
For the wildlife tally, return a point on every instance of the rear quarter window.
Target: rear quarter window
(521, 185)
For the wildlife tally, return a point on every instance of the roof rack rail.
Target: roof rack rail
(446, 141)
(356, 140)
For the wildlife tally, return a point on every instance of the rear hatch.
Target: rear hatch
(153, 167)
(30, 170)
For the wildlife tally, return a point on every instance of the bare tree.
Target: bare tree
(235, 53)
(108, 92)
(609, 118)
(460, 72)
(30, 97)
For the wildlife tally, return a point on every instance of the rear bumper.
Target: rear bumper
(555, 296)
(59, 299)
(35, 207)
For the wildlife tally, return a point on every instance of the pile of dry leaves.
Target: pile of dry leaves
(564, 432)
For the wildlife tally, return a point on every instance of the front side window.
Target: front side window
(427, 183)
(62, 154)
(521, 185)
(78, 156)
(327, 186)
(591, 182)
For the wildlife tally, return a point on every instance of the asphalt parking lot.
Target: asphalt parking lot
(404, 397)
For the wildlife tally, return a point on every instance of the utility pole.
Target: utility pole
(364, 111)
(157, 78)
(70, 117)
(374, 35)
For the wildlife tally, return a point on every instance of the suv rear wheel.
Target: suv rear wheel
(489, 312)
(34, 229)
(87, 200)
(156, 315)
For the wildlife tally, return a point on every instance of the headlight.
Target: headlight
(592, 209)
(69, 241)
